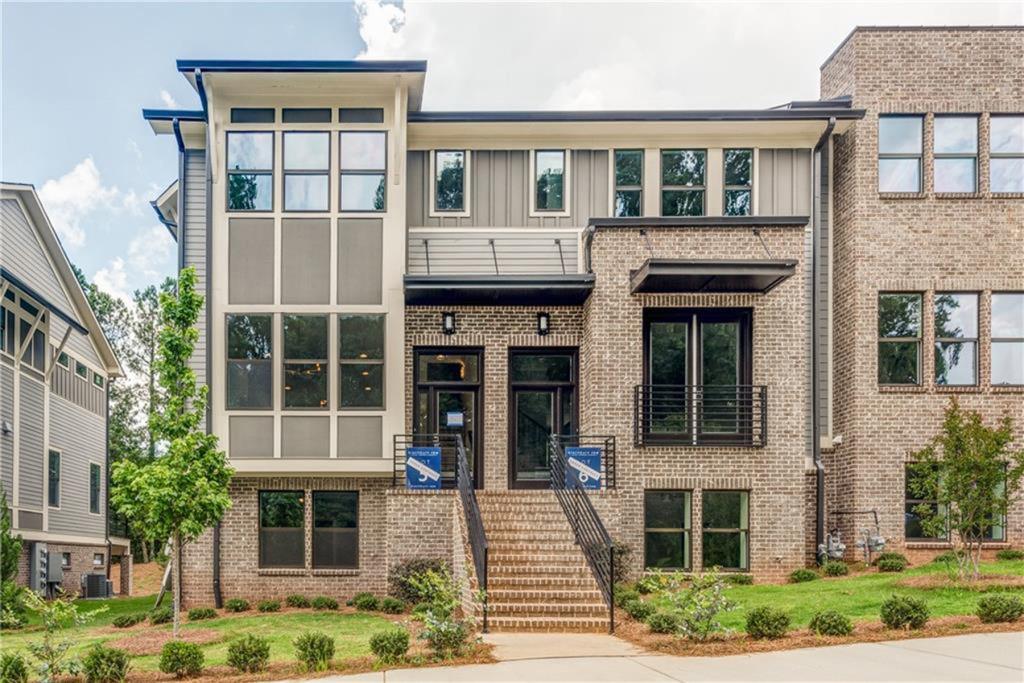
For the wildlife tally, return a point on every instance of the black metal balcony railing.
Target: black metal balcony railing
(117, 524)
(685, 415)
(474, 522)
(605, 443)
(449, 456)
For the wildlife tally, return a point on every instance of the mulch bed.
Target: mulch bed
(151, 641)
(987, 582)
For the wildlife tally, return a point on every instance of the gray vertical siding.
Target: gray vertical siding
(81, 392)
(31, 455)
(824, 295)
(194, 234)
(80, 436)
(7, 440)
(784, 182)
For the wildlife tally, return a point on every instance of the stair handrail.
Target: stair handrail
(591, 534)
(474, 521)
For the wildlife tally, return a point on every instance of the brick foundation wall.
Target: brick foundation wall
(81, 563)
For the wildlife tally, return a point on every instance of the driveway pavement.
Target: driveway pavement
(970, 658)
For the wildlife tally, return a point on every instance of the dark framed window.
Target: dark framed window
(63, 360)
(307, 170)
(364, 162)
(450, 180)
(725, 523)
(956, 339)
(629, 182)
(252, 115)
(956, 153)
(1006, 154)
(361, 115)
(305, 361)
(53, 489)
(667, 529)
(98, 380)
(899, 338)
(1008, 338)
(683, 173)
(7, 327)
(361, 358)
(81, 370)
(94, 488)
(249, 361)
(97, 559)
(913, 528)
(738, 168)
(250, 160)
(305, 115)
(335, 529)
(282, 529)
(549, 180)
(65, 560)
(900, 139)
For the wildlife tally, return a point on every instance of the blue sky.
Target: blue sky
(75, 76)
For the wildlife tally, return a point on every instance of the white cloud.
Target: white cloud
(114, 280)
(151, 252)
(168, 100)
(70, 199)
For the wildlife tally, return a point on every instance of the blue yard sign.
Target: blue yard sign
(584, 465)
(423, 467)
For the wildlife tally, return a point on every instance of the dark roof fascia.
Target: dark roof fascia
(806, 114)
(778, 270)
(883, 29)
(489, 290)
(169, 224)
(171, 114)
(43, 301)
(701, 222)
(301, 66)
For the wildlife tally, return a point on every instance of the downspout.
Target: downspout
(106, 496)
(178, 575)
(217, 597)
(820, 150)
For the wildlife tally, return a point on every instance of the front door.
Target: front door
(448, 402)
(542, 402)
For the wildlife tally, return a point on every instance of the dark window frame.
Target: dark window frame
(687, 532)
(909, 501)
(663, 188)
(743, 532)
(256, 172)
(1002, 155)
(81, 371)
(993, 340)
(97, 380)
(228, 360)
(465, 176)
(919, 157)
(95, 487)
(382, 362)
(355, 529)
(53, 484)
(616, 187)
(363, 171)
(285, 171)
(325, 362)
(936, 156)
(918, 340)
(727, 188)
(259, 528)
(967, 341)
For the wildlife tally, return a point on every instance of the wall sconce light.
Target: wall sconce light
(543, 323)
(448, 322)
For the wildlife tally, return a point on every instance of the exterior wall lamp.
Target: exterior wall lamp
(543, 323)
(448, 322)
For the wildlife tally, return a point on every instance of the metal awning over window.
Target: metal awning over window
(496, 290)
(712, 275)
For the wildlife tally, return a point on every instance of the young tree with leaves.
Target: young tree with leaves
(12, 597)
(183, 491)
(971, 475)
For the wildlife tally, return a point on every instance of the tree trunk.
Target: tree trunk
(175, 561)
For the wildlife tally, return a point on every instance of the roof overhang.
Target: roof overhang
(497, 290)
(191, 124)
(166, 208)
(710, 276)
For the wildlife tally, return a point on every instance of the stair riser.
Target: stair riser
(516, 625)
(582, 595)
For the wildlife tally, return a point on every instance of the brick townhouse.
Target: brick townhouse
(705, 335)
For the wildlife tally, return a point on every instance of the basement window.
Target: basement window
(726, 530)
(1006, 151)
(956, 339)
(667, 540)
(899, 338)
(282, 529)
(335, 529)
(899, 153)
(683, 182)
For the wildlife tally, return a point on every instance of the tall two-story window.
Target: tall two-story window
(682, 182)
(899, 338)
(1006, 154)
(956, 153)
(629, 181)
(7, 325)
(53, 491)
(361, 350)
(1008, 338)
(250, 171)
(667, 529)
(94, 488)
(726, 529)
(282, 529)
(739, 182)
(450, 180)
(305, 361)
(31, 343)
(956, 339)
(307, 164)
(899, 153)
(549, 180)
(335, 529)
(917, 507)
(249, 369)
(363, 157)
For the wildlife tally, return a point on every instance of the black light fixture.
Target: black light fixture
(448, 322)
(543, 323)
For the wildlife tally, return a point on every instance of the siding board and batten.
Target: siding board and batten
(784, 182)
(31, 446)
(81, 442)
(6, 442)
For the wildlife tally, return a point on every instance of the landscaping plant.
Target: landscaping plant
(391, 645)
(663, 622)
(314, 651)
(831, 623)
(12, 596)
(802, 575)
(390, 605)
(700, 605)
(56, 615)
(904, 612)
(999, 608)
(13, 668)
(1009, 554)
(398, 577)
(237, 605)
(269, 606)
(444, 632)
(624, 593)
(181, 659)
(767, 622)
(161, 615)
(740, 579)
(367, 602)
(106, 665)
(891, 564)
(297, 601)
(249, 654)
(200, 613)
(639, 609)
(835, 568)
(129, 620)
(322, 602)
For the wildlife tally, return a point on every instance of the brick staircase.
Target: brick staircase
(537, 577)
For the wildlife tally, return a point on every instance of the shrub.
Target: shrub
(639, 609)
(324, 602)
(647, 585)
(948, 556)
(624, 593)
(891, 557)
(445, 636)
(802, 575)
(398, 577)
(237, 605)
(891, 564)
(391, 645)
(700, 606)
(740, 579)
(297, 601)
(269, 606)
(129, 620)
(13, 668)
(12, 602)
(249, 654)
(831, 623)
(663, 622)
(767, 622)
(314, 650)
(904, 612)
(200, 613)
(106, 665)
(181, 659)
(366, 602)
(622, 558)
(391, 605)
(1010, 554)
(1000, 608)
(835, 568)
(161, 615)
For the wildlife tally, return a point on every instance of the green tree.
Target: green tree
(971, 475)
(184, 490)
(12, 596)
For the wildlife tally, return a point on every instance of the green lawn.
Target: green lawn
(858, 596)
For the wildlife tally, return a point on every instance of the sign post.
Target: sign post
(423, 467)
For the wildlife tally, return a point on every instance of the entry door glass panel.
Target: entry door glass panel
(668, 360)
(720, 375)
(449, 367)
(535, 414)
(542, 402)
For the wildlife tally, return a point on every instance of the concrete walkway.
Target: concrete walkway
(970, 658)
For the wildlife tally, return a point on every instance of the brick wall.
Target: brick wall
(81, 563)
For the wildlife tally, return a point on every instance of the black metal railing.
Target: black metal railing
(695, 415)
(591, 535)
(117, 524)
(474, 522)
(607, 446)
(448, 443)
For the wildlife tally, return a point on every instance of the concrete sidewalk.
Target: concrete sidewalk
(970, 658)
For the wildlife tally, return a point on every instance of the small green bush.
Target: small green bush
(625, 593)
(891, 564)
(105, 665)
(767, 622)
(161, 615)
(391, 645)
(739, 579)
(250, 654)
(323, 602)
(802, 575)
(1000, 608)
(181, 659)
(314, 650)
(647, 585)
(13, 668)
(831, 623)
(200, 613)
(904, 612)
(237, 605)
(390, 605)
(663, 622)
(446, 637)
(297, 601)
(129, 620)
(367, 602)
(948, 556)
(639, 609)
(835, 568)
(419, 611)
(269, 606)
(398, 577)
(1010, 554)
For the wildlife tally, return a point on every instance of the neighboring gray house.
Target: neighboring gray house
(55, 366)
